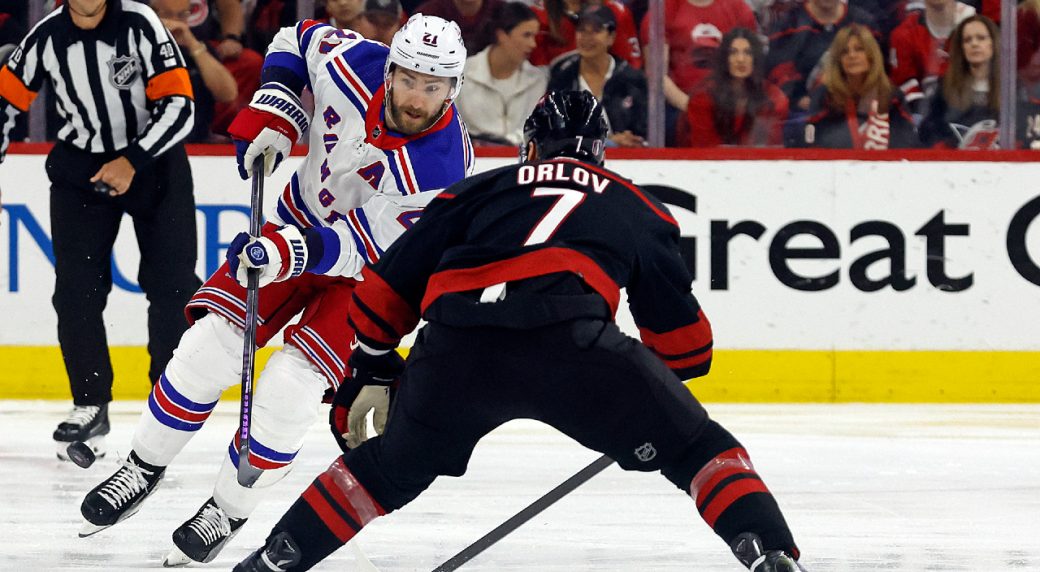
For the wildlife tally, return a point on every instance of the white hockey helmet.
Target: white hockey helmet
(430, 45)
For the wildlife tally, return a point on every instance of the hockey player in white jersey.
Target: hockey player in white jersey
(384, 138)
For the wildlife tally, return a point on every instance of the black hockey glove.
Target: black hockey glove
(371, 387)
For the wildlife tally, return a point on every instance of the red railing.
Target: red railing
(672, 154)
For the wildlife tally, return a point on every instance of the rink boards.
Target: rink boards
(841, 280)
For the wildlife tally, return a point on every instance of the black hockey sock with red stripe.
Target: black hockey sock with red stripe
(731, 496)
(328, 514)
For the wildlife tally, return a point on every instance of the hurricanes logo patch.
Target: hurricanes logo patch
(645, 452)
(122, 71)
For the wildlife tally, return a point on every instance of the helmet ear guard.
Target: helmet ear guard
(566, 124)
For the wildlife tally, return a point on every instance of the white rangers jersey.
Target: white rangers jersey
(360, 180)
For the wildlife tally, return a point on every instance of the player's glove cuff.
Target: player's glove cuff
(278, 100)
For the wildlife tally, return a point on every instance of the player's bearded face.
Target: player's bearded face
(416, 100)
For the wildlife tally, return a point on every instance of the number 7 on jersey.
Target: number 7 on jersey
(567, 200)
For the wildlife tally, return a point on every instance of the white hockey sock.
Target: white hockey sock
(285, 405)
(207, 361)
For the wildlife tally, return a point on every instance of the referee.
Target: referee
(126, 104)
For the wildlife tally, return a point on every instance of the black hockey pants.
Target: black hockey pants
(583, 377)
(84, 225)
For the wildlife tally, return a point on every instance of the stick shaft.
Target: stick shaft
(532, 510)
(248, 474)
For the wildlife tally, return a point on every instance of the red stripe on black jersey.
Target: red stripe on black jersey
(537, 263)
(378, 313)
(680, 340)
(686, 350)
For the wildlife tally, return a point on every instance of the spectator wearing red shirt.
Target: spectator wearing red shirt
(918, 52)
(1029, 46)
(472, 16)
(737, 106)
(691, 28)
(221, 23)
(558, 18)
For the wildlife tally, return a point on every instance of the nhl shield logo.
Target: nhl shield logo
(122, 71)
(645, 452)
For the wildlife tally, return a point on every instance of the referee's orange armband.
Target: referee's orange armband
(170, 82)
(13, 90)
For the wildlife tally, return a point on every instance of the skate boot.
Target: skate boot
(280, 555)
(120, 496)
(747, 547)
(203, 536)
(86, 423)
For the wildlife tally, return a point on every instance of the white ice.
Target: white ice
(864, 487)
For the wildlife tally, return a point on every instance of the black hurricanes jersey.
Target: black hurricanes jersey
(534, 223)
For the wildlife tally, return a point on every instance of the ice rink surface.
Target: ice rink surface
(864, 487)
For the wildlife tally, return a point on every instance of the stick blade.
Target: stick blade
(247, 474)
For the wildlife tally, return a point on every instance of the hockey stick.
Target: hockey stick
(248, 474)
(532, 510)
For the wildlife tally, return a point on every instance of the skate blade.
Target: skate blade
(96, 444)
(90, 529)
(362, 561)
(176, 558)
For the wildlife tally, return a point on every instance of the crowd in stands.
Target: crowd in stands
(851, 74)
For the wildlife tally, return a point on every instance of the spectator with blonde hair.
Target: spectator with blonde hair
(857, 107)
(965, 110)
(737, 105)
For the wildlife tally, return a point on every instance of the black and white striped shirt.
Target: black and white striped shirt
(119, 87)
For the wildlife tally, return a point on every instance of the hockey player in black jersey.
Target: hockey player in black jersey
(518, 272)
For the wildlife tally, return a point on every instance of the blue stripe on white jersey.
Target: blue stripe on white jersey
(391, 160)
(367, 59)
(341, 82)
(358, 72)
(305, 31)
(366, 229)
(440, 159)
(298, 201)
(469, 146)
(291, 62)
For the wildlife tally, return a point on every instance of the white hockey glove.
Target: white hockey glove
(371, 387)
(372, 398)
(279, 254)
(273, 122)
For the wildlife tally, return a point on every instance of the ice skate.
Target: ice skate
(747, 547)
(280, 555)
(203, 536)
(86, 423)
(119, 496)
